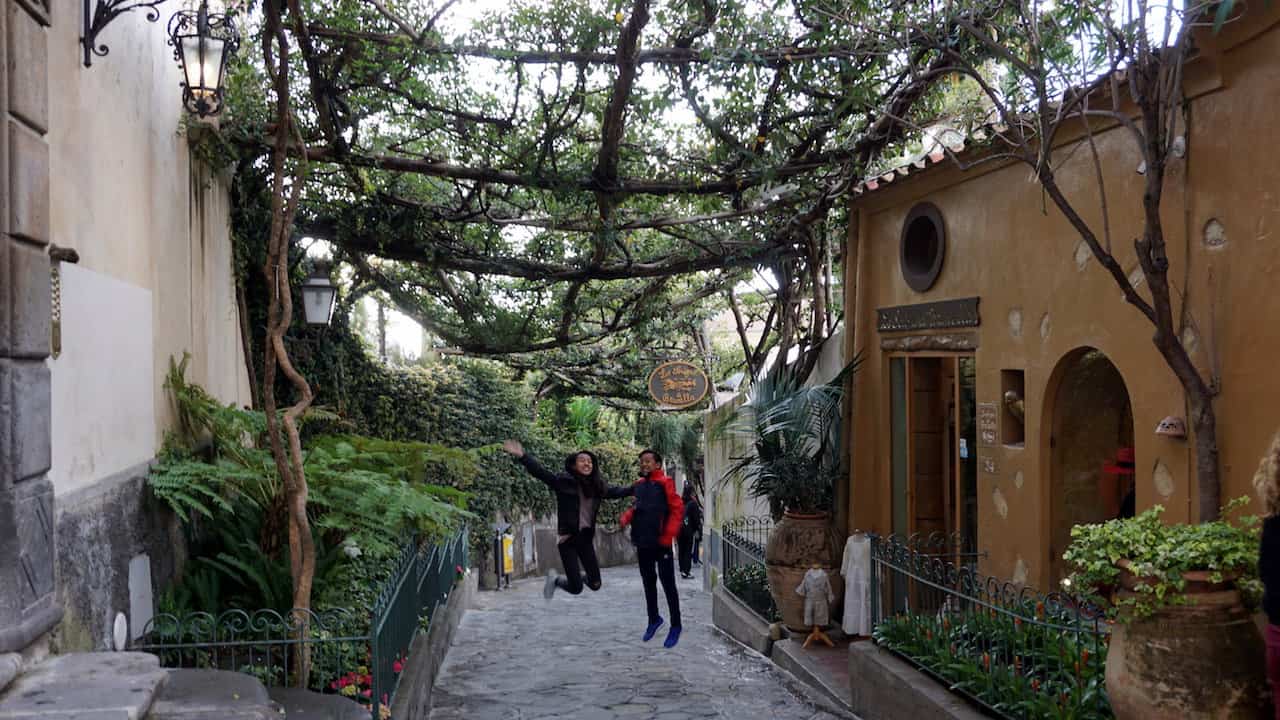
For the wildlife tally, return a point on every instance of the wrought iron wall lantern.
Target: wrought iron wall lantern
(319, 295)
(202, 42)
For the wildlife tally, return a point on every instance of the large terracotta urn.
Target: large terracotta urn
(1204, 659)
(797, 543)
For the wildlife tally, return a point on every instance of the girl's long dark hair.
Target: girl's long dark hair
(592, 485)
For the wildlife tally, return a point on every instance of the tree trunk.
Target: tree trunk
(1205, 425)
(302, 560)
(382, 332)
(246, 342)
(1152, 256)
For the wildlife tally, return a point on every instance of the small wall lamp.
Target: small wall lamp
(202, 42)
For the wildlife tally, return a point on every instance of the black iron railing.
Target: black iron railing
(741, 545)
(1008, 648)
(751, 531)
(356, 653)
(949, 547)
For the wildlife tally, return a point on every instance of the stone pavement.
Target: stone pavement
(519, 657)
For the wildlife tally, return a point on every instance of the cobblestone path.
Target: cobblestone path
(519, 657)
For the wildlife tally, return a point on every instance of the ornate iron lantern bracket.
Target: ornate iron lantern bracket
(202, 44)
(96, 18)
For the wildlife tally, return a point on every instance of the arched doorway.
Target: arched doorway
(1091, 420)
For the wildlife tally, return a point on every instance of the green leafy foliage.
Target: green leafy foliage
(369, 496)
(678, 436)
(461, 411)
(750, 583)
(193, 488)
(1159, 554)
(583, 420)
(218, 476)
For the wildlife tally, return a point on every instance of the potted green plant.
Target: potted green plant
(1183, 643)
(794, 433)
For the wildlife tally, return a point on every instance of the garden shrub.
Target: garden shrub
(750, 583)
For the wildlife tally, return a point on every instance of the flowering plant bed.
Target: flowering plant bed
(1015, 667)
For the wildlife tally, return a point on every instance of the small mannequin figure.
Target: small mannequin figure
(818, 596)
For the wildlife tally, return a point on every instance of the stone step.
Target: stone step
(10, 668)
(307, 705)
(133, 686)
(85, 686)
(212, 695)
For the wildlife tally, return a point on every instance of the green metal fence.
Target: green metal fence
(1013, 651)
(371, 645)
(422, 583)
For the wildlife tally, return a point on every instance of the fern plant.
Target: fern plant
(219, 478)
(191, 488)
(368, 497)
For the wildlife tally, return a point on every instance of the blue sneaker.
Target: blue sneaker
(673, 637)
(652, 630)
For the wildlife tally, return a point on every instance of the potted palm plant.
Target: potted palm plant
(793, 431)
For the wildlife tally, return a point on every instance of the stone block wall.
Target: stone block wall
(28, 606)
(116, 543)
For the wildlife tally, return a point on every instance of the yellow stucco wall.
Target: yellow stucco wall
(1008, 245)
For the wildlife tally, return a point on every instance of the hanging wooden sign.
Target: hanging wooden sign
(678, 384)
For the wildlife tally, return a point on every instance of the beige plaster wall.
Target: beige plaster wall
(129, 197)
(726, 499)
(1043, 297)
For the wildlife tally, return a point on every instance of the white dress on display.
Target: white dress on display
(857, 587)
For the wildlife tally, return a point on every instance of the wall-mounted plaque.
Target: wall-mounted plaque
(988, 424)
(678, 384)
(929, 316)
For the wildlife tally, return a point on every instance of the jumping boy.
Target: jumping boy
(655, 519)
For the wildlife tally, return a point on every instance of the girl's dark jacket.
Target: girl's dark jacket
(569, 486)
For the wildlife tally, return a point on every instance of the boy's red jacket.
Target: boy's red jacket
(652, 494)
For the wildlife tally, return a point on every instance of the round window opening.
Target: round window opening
(924, 244)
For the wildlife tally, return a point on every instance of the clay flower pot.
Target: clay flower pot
(796, 543)
(1201, 659)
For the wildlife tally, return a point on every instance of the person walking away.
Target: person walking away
(578, 490)
(697, 530)
(655, 519)
(1267, 484)
(689, 529)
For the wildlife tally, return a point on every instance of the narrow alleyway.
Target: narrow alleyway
(519, 657)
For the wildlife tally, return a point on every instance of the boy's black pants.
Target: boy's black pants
(659, 564)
